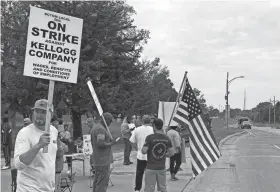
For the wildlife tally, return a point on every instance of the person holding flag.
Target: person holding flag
(175, 160)
(203, 146)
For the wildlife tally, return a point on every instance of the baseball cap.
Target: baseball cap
(89, 120)
(42, 104)
(108, 116)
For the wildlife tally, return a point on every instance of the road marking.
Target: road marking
(276, 147)
(259, 144)
(256, 156)
(252, 134)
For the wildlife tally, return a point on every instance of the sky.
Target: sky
(210, 38)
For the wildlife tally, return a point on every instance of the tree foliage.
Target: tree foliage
(201, 100)
(110, 55)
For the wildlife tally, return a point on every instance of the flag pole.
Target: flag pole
(178, 96)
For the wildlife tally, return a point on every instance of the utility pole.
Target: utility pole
(274, 112)
(269, 111)
(227, 100)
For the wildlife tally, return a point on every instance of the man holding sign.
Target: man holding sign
(36, 170)
(102, 155)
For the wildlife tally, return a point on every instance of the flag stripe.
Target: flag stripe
(178, 119)
(205, 159)
(206, 151)
(200, 144)
(182, 114)
(203, 140)
(197, 157)
(195, 163)
(207, 136)
(210, 135)
(184, 106)
(195, 168)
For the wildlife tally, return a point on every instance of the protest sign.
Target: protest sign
(95, 98)
(97, 103)
(53, 46)
(87, 148)
(52, 50)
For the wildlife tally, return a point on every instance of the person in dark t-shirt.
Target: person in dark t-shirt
(6, 141)
(157, 147)
(102, 156)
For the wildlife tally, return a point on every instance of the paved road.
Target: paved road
(250, 163)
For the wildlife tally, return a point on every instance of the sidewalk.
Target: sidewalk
(123, 176)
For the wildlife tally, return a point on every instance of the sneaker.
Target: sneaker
(174, 179)
(126, 163)
(5, 167)
(130, 162)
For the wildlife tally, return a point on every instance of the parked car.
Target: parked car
(246, 125)
(241, 120)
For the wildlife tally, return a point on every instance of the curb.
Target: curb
(230, 136)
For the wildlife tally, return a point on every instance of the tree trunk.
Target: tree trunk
(77, 124)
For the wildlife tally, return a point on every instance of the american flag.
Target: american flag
(203, 147)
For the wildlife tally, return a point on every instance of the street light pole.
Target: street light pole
(227, 93)
(227, 100)
(269, 111)
(274, 112)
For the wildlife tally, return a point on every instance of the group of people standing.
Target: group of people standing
(39, 171)
(153, 145)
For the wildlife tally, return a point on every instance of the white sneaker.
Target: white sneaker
(5, 167)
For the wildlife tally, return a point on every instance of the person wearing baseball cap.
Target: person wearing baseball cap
(36, 170)
(102, 155)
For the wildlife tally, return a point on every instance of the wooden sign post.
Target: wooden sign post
(52, 50)
(96, 101)
(49, 108)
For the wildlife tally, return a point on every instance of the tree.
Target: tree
(201, 100)
(213, 112)
(18, 92)
(111, 46)
(110, 55)
(235, 112)
(277, 112)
